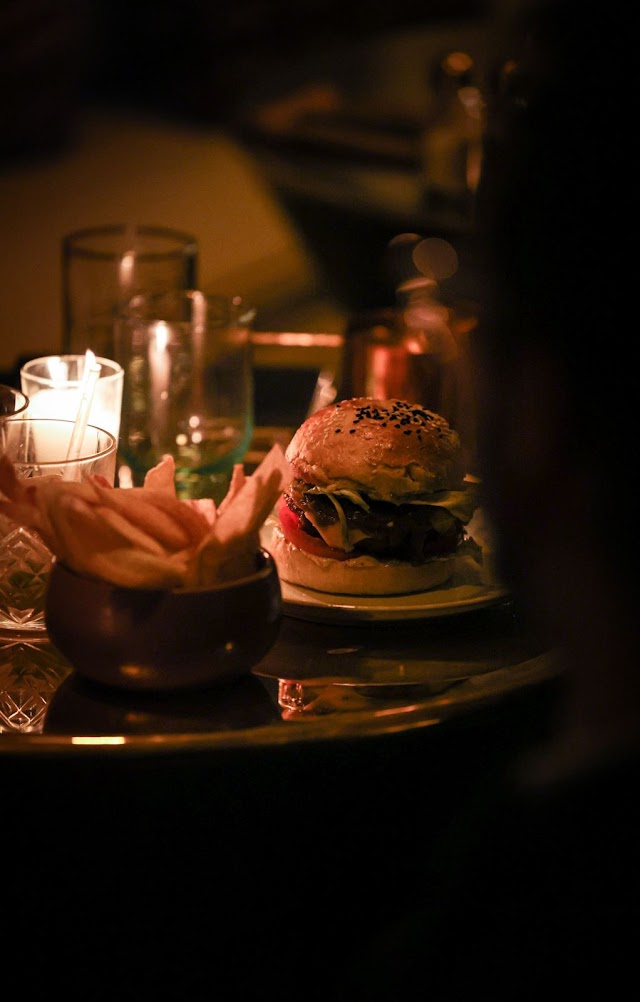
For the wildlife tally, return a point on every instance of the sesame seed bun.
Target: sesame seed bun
(391, 449)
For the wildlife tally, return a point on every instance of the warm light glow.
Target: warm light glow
(58, 370)
(161, 331)
(300, 340)
(160, 377)
(125, 477)
(199, 312)
(79, 393)
(456, 63)
(127, 264)
(102, 740)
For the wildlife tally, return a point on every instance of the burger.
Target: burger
(377, 502)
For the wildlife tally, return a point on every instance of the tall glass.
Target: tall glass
(103, 267)
(188, 389)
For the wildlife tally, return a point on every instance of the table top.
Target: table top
(319, 682)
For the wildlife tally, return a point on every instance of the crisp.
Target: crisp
(147, 537)
(228, 551)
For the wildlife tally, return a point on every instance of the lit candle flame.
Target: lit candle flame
(160, 375)
(127, 264)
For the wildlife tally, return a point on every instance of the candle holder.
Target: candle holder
(56, 386)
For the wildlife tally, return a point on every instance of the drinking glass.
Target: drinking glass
(39, 447)
(55, 385)
(12, 401)
(103, 267)
(188, 389)
(31, 669)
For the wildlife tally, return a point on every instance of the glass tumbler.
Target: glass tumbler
(12, 401)
(103, 267)
(39, 447)
(188, 389)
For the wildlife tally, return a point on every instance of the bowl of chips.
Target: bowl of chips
(148, 591)
(163, 639)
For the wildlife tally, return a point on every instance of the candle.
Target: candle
(55, 386)
(126, 270)
(63, 404)
(160, 375)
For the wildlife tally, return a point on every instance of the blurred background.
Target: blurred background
(295, 140)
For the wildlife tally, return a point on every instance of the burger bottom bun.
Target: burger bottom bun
(364, 575)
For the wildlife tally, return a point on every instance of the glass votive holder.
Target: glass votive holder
(55, 384)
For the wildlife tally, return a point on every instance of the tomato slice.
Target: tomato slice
(310, 544)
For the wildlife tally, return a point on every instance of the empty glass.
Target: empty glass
(188, 389)
(103, 267)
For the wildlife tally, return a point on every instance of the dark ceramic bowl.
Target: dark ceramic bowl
(155, 640)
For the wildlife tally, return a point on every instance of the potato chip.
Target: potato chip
(206, 507)
(80, 534)
(133, 569)
(94, 542)
(129, 567)
(147, 537)
(129, 533)
(31, 498)
(161, 477)
(237, 481)
(161, 516)
(230, 548)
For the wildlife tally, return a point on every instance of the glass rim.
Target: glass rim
(110, 447)
(20, 398)
(235, 306)
(49, 382)
(181, 242)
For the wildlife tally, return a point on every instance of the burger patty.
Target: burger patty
(404, 531)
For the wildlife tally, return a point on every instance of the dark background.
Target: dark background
(191, 59)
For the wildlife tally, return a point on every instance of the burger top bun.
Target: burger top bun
(390, 449)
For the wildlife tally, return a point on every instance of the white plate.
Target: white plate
(304, 603)
(458, 596)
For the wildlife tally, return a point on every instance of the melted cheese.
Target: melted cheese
(333, 534)
(445, 504)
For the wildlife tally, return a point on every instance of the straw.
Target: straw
(88, 389)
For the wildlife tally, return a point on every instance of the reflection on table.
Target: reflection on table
(318, 682)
